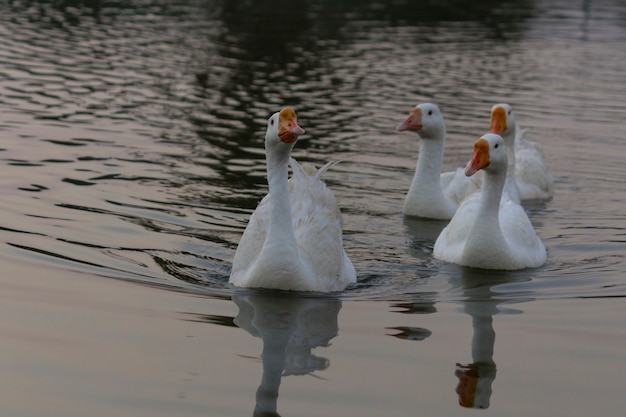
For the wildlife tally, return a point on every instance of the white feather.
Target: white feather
(531, 175)
(490, 232)
(309, 255)
(433, 194)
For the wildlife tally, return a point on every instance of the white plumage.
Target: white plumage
(433, 194)
(531, 176)
(293, 240)
(487, 232)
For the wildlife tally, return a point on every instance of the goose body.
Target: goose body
(293, 240)
(433, 194)
(526, 163)
(487, 231)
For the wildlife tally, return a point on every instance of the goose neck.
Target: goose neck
(430, 160)
(509, 141)
(491, 195)
(280, 229)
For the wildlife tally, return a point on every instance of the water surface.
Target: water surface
(132, 149)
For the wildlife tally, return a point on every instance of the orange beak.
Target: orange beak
(498, 121)
(288, 128)
(413, 122)
(480, 159)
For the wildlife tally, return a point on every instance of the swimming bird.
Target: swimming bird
(433, 194)
(526, 163)
(293, 240)
(487, 232)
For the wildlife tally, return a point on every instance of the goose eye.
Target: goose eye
(272, 122)
(509, 113)
(430, 112)
(497, 144)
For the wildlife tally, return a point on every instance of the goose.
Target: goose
(433, 194)
(293, 240)
(530, 174)
(487, 232)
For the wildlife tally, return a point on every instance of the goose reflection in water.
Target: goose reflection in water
(481, 302)
(290, 326)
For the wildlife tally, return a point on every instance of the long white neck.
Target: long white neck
(426, 183)
(490, 200)
(280, 232)
(429, 163)
(425, 197)
(486, 238)
(510, 186)
(509, 140)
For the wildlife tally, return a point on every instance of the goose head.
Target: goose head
(489, 154)
(426, 120)
(283, 130)
(503, 121)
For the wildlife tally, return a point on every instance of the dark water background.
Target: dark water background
(132, 148)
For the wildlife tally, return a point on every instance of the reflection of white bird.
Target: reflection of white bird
(293, 240)
(291, 328)
(526, 164)
(433, 194)
(485, 233)
(475, 379)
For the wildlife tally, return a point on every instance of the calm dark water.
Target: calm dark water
(132, 148)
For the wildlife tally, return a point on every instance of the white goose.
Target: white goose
(433, 194)
(485, 232)
(293, 240)
(531, 176)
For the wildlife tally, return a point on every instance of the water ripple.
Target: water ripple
(133, 133)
